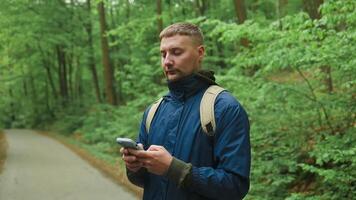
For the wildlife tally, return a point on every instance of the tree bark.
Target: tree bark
(241, 15)
(159, 16)
(33, 92)
(62, 74)
(312, 8)
(78, 81)
(91, 58)
(240, 11)
(108, 69)
(12, 107)
(70, 59)
(50, 78)
(46, 64)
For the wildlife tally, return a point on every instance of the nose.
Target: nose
(167, 61)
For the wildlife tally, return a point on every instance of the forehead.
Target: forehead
(177, 41)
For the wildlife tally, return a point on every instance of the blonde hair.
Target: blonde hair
(184, 28)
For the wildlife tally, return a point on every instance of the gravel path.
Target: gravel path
(39, 168)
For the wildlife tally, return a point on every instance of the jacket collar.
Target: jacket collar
(186, 87)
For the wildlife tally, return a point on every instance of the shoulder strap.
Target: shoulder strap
(207, 116)
(151, 113)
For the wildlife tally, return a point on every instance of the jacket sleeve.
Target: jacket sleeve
(230, 177)
(138, 177)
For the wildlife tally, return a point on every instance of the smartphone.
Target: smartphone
(128, 143)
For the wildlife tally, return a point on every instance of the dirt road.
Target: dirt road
(39, 168)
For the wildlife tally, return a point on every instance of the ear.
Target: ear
(201, 53)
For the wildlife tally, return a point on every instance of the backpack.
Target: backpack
(207, 116)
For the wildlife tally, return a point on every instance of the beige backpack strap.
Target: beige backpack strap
(151, 113)
(207, 116)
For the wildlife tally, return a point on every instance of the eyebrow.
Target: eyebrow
(171, 49)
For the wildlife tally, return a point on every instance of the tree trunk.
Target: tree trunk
(115, 50)
(70, 74)
(62, 74)
(50, 79)
(201, 6)
(34, 92)
(312, 8)
(240, 11)
(159, 16)
(12, 107)
(46, 64)
(241, 18)
(108, 69)
(91, 58)
(47, 97)
(78, 81)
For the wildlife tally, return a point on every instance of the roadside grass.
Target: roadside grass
(3, 150)
(111, 166)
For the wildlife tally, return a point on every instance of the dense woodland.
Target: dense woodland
(89, 69)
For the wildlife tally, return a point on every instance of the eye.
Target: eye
(163, 54)
(177, 52)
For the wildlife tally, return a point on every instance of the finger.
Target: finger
(134, 165)
(124, 151)
(140, 153)
(130, 159)
(146, 163)
(155, 148)
(134, 169)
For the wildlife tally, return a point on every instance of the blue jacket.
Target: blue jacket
(220, 165)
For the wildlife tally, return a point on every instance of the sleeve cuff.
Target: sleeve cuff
(179, 171)
(136, 177)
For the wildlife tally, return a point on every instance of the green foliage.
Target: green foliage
(302, 128)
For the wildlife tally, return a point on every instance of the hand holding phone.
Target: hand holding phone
(128, 143)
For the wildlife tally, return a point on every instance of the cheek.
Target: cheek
(190, 62)
(187, 60)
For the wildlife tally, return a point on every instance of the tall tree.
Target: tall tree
(159, 16)
(108, 69)
(62, 73)
(312, 8)
(241, 15)
(240, 9)
(45, 59)
(89, 30)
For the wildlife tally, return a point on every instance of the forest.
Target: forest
(89, 68)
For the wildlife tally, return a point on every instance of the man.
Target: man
(180, 161)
